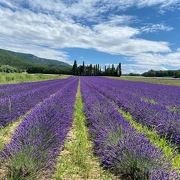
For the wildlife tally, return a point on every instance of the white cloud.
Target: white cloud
(40, 29)
(115, 31)
(139, 68)
(169, 59)
(88, 8)
(155, 27)
(115, 20)
(47, 27)
(169, 4)
(30, 48)
(143, 62)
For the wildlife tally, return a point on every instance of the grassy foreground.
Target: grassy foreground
(77, 161)
(7, 132)
(154, 80)
(9, 78)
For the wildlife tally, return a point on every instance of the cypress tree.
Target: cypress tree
(74, 68)
(119, 70)
(90, 70)
(94, 70)
(84, 69)
(98, 71)
(112, 70)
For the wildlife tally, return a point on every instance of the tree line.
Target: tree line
(95, 70)
(48, 70)
(162, 73)
(36, 69)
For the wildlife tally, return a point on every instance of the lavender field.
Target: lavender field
(47, 110)
(155, 106)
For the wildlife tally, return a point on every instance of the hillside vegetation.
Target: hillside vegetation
(7, 58)
(41, 61)
(9, 78)
(31, 64)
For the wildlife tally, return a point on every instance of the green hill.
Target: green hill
(22, 60)
(41, 61)
(7, 58)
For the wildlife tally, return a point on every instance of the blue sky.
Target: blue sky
(141, 34)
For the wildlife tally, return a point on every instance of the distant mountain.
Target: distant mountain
(7, 58)
(22, 59)
(42, 61)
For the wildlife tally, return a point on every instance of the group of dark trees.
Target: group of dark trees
(36, 69)
(162, 73)
(112, 71)
(95, 70)
(48, 70)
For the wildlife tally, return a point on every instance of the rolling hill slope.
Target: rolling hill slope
(7, 58)
(42, 61)
(22, 60)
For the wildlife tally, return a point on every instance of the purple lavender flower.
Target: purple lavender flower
(129, 96)
(37, 140)
(120, 148)
(18, 104)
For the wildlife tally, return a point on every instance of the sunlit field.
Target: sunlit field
(9, 78)
(90, 128)
(154, 80)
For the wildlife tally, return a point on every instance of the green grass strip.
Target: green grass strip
(76, 160)
(9, 78)
(154, 138)
(7, 132)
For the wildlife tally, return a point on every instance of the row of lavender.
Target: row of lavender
(165, 122)
(7, 90)
(163, 95)
(37, 140)
(121, 149)
(19, 103)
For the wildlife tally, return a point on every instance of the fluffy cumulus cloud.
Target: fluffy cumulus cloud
(139, 68)
(158, 59)
(47, 30)
(44, 28)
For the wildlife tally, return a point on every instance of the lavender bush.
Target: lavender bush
(7, 90)
(126, 95)
(121, 149)
(18, 104)
(37, 140)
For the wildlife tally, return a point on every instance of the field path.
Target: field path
(77, 160)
